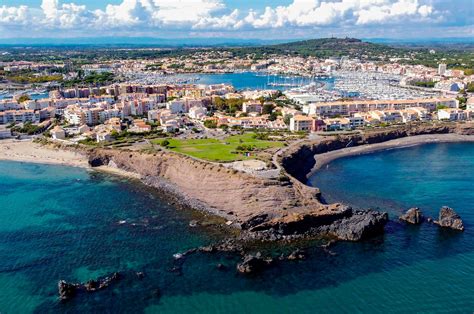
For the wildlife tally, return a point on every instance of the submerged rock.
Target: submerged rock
(413, 216)
(448, 218)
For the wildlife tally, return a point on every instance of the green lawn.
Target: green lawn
(219, 150)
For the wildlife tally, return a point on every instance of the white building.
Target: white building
(58, 133)
(442, 69)
(197, 112)
(301, 123)
(176, 106)
(452, 114)
(19, 116)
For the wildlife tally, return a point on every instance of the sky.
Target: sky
(243, 19)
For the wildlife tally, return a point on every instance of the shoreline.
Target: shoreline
(26, 151)
(30, 152)
(400, 143)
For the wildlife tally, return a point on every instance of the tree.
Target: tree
(267, 109)
(23, 98)
(211, 124)
(287, 118)
(165, 143)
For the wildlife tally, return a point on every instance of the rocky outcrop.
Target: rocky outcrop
(238, 197)
(297, 255)
(413, 216)
(69, 290)
(253, 264)
(359, 226)
(448, 218)
(266, 209)
(66, 290)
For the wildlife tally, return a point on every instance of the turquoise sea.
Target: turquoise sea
(63, 223)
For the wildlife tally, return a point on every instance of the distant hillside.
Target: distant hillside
(333, 46)
(325, 47)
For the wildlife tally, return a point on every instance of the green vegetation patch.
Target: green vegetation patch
(228, 149)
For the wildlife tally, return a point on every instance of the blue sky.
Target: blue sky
(276, 19)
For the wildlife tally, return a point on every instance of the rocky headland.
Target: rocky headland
(278, 208)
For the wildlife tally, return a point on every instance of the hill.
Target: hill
(324, 48)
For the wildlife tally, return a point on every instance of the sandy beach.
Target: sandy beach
(322, 159)
(27, 151)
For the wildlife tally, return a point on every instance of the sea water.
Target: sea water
(68, 223)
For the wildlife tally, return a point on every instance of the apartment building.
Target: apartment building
(252, 106)
(331, 109)
(19, 116)
(452, 114)
(301, 123)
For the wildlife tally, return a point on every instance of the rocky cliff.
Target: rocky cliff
(234, 195)
(298, 161)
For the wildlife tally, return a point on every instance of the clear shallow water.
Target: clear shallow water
(61, 223)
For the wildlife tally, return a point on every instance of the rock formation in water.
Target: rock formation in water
(413, 216)
(69, 290)
(253, 264)
(359, 226)
(66, 290)
(448, 218)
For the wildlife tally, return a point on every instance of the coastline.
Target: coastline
(325, 158)
(29, 152)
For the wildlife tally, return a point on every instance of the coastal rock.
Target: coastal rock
(254, 221)
(91, 285)
(66, 290)
(413, 216)
(69, 290)
(252, 264)
(297, 255)
(359, 226)
(448, 218)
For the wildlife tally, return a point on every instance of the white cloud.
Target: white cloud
(13, 15)
(304, 13)
(150, 15)
(67, 15)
